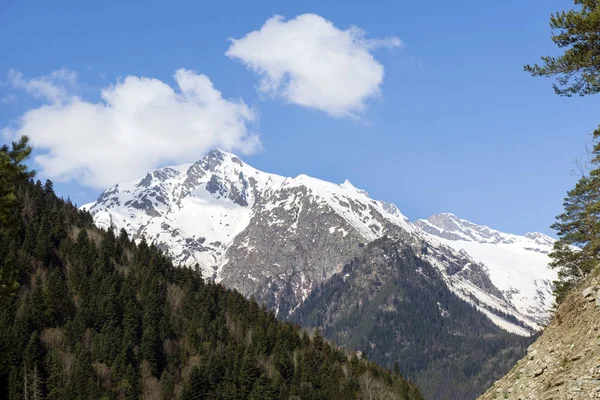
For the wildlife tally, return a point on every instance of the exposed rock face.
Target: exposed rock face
(284, 253)
(564, 363)
(299, 237)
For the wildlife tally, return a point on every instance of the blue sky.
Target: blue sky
(455, 125)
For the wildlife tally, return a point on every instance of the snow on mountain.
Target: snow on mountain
(517, 265)
(276, 238)
(194, 211)
(352, 204)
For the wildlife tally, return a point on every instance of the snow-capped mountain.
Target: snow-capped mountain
(192, 211)
(195, 211)
(517, 265)
(276, 238)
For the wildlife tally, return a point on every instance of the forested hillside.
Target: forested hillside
(395, 306)
(86, 314)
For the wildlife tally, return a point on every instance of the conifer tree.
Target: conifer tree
(12, 171)
(198, 386)
(577, 252)
(263, 389)
(577, 32)
(577, 70)
(167, 385)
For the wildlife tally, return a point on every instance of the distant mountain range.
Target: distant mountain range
(299, 246)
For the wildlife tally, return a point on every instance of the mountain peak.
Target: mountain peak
(217, 157)
(218, 152)
(349, 186)
(447, 214)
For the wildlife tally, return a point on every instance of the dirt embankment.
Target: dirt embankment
(564, 363)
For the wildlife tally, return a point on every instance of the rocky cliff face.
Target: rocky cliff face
(564, 363)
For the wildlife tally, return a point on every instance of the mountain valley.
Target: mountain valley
(287, 242)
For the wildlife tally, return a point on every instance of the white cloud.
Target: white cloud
(140, 124)
(54, 87)
(310, 62)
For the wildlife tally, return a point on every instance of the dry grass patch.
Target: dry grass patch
(102, 373)
(175, 295)
(67, 361)
(192, 362)
(54, 338)
(151, 387)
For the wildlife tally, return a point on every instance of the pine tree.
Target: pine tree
(15, 384)
(396, 368)
(247, 375)
(578, 33)
(198, 386)
(35, 389)
(284, 363)
(167, 386)
(577, 252)
(149, 345)
(263, 389)
(12, 172)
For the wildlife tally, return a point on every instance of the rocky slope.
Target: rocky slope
(564, 363)
(277, 238)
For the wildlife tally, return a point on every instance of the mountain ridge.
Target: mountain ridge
(528, 282)
(276, 238)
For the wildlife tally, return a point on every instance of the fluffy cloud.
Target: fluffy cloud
(139, 124)
(310, 62)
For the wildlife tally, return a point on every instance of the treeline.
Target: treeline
(86, 314)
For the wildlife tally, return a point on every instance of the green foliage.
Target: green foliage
(577, 252)
(578, 33)
(12, 170)
(99, 317)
